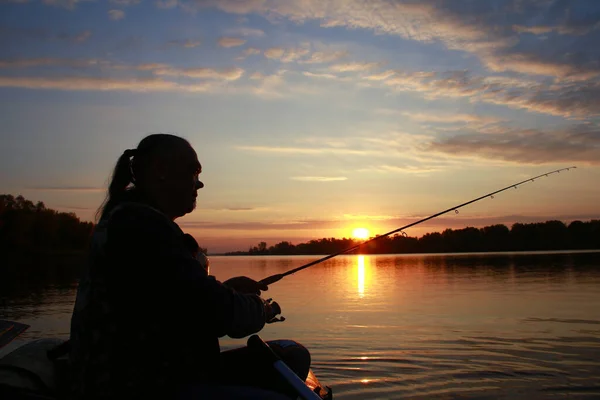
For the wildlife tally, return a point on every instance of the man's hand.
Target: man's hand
(246, 285)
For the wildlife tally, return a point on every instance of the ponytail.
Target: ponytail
(119, 189)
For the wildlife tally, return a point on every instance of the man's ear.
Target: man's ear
(159, 168)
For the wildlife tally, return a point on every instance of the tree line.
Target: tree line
(549, 235)
(28, 228)
(32, 228)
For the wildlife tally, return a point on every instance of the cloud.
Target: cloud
(82, 37)
(67, 188)
(319, 178)
(77, 208)
(116, 15)
(46, 62)
(274, 52)
(228, 74)
(570, 99)
(379, 77)
(354, 67)
(125, 2)
(306, 150)
(166, 4)
(102, 84)
(457, 25)
(18, 34)
(573, 27)
(578, 143)
(402, 169)
(535, 65)
(259, 226)
(285, 55)
(144, 67)
(244, 31)
(187, 43)
(451, 118)
(231, 42)
(68, 4)
(322, 57)
(318, 75)
(251, 51)
(275, 86)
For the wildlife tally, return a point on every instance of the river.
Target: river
(481, 326)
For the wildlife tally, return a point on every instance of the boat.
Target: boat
(38, 368)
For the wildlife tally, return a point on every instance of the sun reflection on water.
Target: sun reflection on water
(361, 276)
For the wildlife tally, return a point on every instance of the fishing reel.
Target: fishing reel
(272, 309)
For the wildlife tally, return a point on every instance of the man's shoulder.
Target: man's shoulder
(139, 217)
(134, 210)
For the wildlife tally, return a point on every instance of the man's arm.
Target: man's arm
(152, 256)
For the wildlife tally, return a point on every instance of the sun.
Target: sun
(360, 233)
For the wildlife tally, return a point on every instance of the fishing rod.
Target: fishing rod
(277, 277)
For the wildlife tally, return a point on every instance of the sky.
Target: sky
(310, 117)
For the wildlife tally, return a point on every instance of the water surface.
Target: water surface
(412, 326)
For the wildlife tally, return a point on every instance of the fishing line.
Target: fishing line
(274, 278)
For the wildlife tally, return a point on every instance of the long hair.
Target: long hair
(123, 186)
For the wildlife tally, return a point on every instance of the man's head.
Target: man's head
(163, 171)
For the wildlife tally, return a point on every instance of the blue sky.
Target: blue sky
(310, 117)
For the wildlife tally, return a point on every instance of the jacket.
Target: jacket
(147, 316)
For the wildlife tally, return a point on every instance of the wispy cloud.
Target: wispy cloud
(285, 55)
(187, 43)
(402, 169)
(368, 217)
(306, 150)
(451, 118)
(67, 188)
(380, 76)
(116, 15)
(354, 66)
(322, 57)
(228, 42)
(76, 208)
(125, 2)
(82, 37)
(14, 34)
(46, 62)
(251, 51)
(567, 99)
(229, 74)
(459, 27)
(166, 4)
(103, 84)
(319, 178)
(319, 75)
(579, 143)
(581, 27)
(68, 4)
(245, 31)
